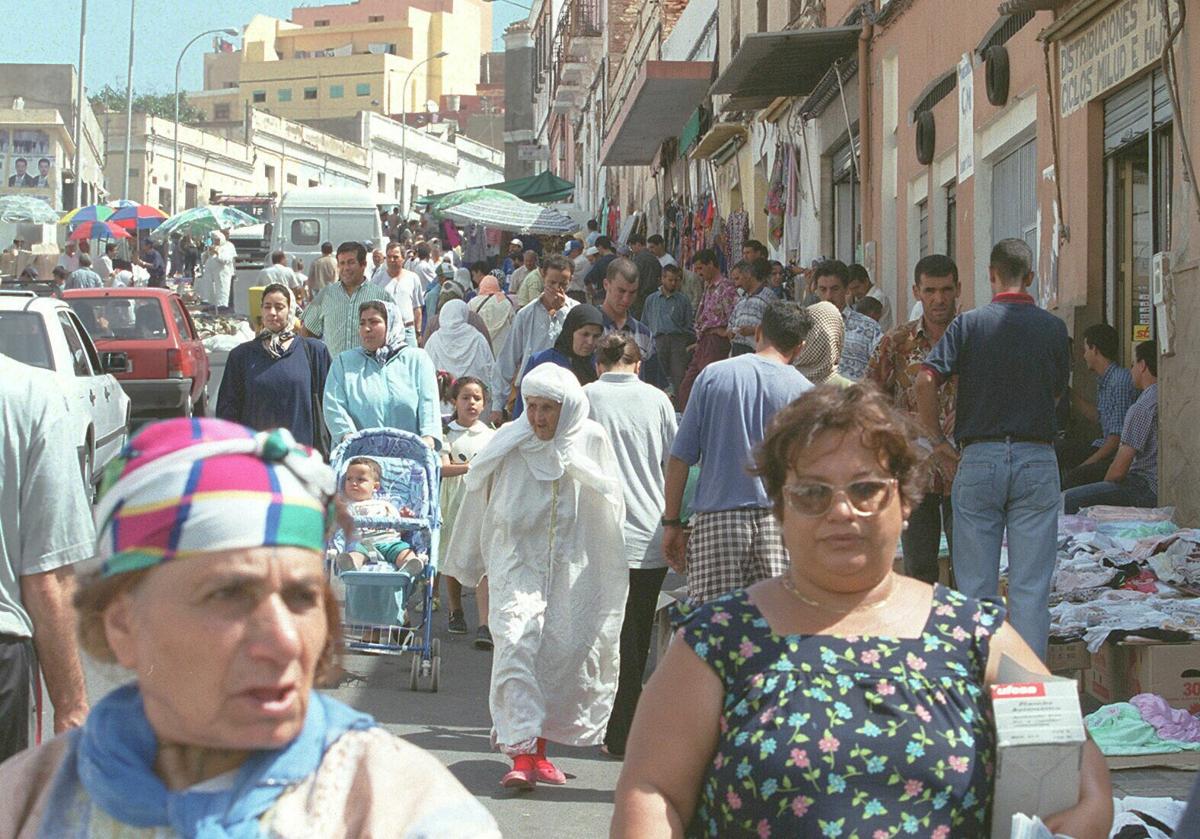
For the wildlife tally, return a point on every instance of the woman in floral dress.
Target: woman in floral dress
(840, 699)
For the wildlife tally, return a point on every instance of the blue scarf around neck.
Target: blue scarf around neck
(110, 765)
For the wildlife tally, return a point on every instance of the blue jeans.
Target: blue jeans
(1134, 491)
(1013, 487)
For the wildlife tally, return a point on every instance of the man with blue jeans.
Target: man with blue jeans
(1132, 479)
(1012, 360)
(735, 538)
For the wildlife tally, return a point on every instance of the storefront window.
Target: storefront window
(846, 211)
(1138, 146)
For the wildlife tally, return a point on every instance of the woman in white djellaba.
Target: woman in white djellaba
(556, 569)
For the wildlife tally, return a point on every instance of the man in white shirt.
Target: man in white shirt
(69, 258)
(657, 245)
(279, 272)
(105, 266)
(535, 328)
(582, 264)
(424, 267)
(861, 286)
(529, 264)
(406, 289)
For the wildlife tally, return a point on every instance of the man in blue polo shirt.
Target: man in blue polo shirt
(736, 539)
(1132, 478)
(1012, 360)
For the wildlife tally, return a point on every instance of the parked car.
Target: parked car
(168, 368)
(44, 332)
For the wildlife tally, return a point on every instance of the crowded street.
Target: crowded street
(699, 418)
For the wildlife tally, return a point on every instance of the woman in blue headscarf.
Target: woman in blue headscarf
(209, 585)
(385, 383)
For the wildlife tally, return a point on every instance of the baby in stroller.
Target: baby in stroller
(374, 544)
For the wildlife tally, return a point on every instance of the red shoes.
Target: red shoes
(529, 769)
(547, 772)
(524, 774)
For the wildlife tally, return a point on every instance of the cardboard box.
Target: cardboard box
(1039, 747)
(1073, 655)
(1170, 670)
(1119, 671)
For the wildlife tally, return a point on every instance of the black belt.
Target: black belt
(1005, 438)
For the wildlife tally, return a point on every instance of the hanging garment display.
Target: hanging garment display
(777, 198)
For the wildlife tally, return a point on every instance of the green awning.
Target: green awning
(690, 134)
(544, 188)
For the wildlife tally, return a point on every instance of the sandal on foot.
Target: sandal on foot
(523, 775)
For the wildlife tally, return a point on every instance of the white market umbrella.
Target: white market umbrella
(511, 214)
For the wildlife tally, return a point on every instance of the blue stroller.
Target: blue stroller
(377, 616)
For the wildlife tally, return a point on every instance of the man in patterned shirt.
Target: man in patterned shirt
(751, 280)
(712, 320)
(1132, 479)
(333, 315)
(894, 368)
(862, 334)
(1114, 396)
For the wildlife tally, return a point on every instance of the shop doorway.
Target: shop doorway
(1014, 201)
(1138, 206)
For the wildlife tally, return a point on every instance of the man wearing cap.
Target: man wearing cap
(45, 528)
(512, 260)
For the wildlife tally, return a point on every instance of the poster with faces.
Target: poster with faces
(30, 161)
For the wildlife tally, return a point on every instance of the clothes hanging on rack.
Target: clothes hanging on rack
(777, 197)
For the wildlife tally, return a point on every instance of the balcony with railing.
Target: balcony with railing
(576, 50)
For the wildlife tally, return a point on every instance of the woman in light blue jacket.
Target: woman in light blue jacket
(385, 383)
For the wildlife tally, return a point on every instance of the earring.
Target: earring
(905, 526)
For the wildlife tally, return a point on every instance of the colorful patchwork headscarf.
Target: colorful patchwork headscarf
(189, 486)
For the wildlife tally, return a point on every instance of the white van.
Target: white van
(308, 217)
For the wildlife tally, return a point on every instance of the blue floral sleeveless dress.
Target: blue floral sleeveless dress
(854, 737)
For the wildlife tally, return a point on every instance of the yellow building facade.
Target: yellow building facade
(335, 61)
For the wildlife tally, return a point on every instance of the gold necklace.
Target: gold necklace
(786, 581)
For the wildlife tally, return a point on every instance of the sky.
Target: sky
(41, 32)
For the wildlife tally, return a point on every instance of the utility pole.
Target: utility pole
(80, 103)
(129, 100)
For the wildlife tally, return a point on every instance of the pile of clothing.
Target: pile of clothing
(1145, 724)
(1125, 571)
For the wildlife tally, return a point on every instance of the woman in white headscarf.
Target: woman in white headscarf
(818, 361)
(557, 573)
(385, 383)
(460, 349)
(216, 277)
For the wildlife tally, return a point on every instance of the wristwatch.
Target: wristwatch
(666, 522)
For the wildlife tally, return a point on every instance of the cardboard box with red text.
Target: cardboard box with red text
(1039, 747)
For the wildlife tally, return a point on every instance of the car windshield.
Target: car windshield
(121, 318)
(23, 338)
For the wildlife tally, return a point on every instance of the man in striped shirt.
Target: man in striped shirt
(333, 314)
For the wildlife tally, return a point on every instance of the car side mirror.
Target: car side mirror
(115, 362)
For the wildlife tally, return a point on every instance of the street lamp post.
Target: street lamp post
(178, 64)
(404, 130)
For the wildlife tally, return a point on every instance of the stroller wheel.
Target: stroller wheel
(415, 673)
(435, 674)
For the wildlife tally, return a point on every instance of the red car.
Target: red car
(168, 367)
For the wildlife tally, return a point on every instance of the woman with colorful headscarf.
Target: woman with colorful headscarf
(573, 349)
(278, 379)
(210, 587)
(496, 310)
(818, 361)
(557, 573)
(385, 383)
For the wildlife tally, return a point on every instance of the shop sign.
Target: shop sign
(532, 151)
(966, 119)
(1125, 40)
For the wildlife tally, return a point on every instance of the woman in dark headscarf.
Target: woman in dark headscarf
(278, 379)
(573, 350)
